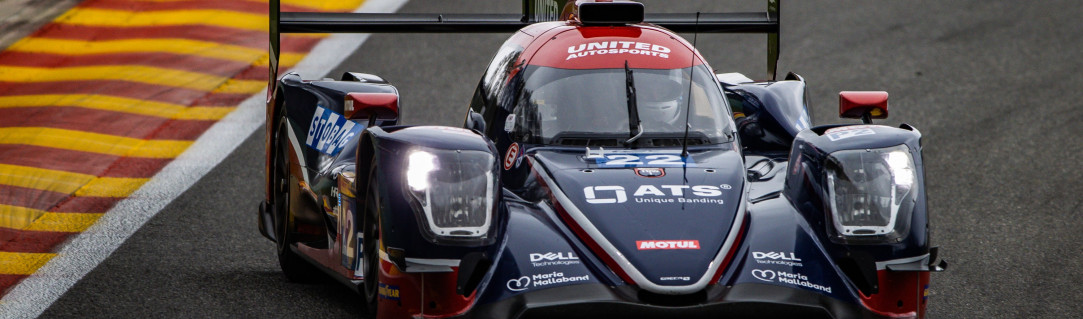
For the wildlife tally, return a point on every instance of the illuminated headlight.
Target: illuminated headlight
(871, 193)
(452, 191)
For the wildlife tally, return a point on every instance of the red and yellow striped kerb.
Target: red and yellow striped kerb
(99, 100)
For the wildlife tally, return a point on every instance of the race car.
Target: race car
(603, 169)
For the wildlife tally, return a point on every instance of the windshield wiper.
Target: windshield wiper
(635, 129)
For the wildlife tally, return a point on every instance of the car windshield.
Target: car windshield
(590, 107)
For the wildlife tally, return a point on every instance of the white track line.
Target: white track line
(36, 293)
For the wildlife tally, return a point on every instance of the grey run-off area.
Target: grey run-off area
(18, 18)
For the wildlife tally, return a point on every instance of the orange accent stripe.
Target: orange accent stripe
(123, 89)
(287, 5)
(206, 49)
(92, 142)
(22, 263)
(21, 218)
(103, 165)
(163, 60)
(132, 73)
(84, 120)
(255, 7)
(68, 182)
(291, 43)
(124, 18)
(117, 104)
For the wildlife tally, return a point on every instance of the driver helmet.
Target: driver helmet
(659, 100)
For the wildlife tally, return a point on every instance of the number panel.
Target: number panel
(629, 160)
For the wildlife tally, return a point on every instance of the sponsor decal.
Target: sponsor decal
(349, 248)
(623, 160)
(542, 280)
(553, 259)
(329, 131)
(650, 172)
(359, 267)
(765, 275)
(777, 258)
(509, 158)
(591, 191)
(509, 123)
(388, 292)
(666, 244)
(802, 123)
(519, 284)
(657, 194)
(675, 278)
(925, 293)
(794, 278)
(617, 47)
(845, 132)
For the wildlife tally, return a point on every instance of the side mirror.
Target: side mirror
(372, 106)
(864, 105)
(475, 121)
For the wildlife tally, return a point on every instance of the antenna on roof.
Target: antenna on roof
(635, 127)
(688, 102)
(773, 13)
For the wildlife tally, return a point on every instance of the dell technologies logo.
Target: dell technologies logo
(553, 259)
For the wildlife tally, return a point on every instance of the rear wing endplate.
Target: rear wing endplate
(534, 11)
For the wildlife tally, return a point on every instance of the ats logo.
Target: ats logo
(660, 194)
(592, 194)
(666, 244)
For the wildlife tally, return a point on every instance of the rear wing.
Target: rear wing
(534, 11)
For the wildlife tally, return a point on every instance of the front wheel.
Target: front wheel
(293, 266)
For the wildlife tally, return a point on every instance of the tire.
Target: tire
(293, 266)
(370, 247)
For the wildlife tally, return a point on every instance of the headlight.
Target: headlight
(453, 192)
(871, 194)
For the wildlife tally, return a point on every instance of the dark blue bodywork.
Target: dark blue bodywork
(497, 220)
(755, 207)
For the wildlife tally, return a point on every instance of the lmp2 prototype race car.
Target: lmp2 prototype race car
(603, 169)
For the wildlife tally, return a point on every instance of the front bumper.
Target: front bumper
(601, 301)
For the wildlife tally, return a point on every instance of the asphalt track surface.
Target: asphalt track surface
(993, 86)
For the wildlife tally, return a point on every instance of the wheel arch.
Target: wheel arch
(274, 111)
(366, 157)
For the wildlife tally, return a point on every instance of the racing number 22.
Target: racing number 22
(634, 160)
